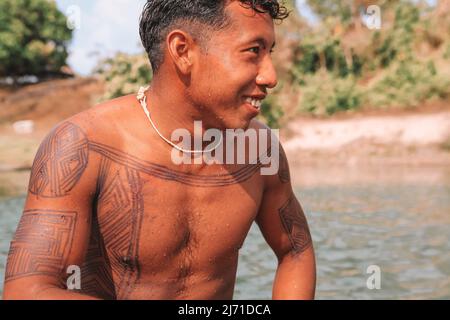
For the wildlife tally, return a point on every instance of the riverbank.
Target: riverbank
(409, 138)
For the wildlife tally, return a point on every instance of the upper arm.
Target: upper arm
(53, 232)
(281, 218)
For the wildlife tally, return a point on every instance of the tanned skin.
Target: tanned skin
(105, 195)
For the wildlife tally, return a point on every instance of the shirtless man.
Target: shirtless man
(105, 195)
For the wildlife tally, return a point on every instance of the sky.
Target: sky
(108, 26)
(105, 27)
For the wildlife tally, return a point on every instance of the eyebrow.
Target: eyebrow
(262, 41)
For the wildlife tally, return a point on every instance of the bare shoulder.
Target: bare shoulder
(103, 122)
(107, 117)
(64, 158)
(75, 137)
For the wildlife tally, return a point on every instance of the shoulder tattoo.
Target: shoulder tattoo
(60, 162)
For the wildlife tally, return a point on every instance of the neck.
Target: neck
(170, 112)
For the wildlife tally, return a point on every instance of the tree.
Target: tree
(33, 38)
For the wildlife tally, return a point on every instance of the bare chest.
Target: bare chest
(153, 217)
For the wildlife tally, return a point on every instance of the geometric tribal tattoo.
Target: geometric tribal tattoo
(113, 251)
(295, 225)
(60, 162)
(63, 157)
(42, 244)
(44, 238)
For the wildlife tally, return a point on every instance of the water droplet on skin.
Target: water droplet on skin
(125, 260)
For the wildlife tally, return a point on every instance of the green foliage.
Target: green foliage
(308, 60)
(324, 94)
(124, 74)
(321, 49)
(33, 38)
(386, 72)
(409, 84)
(271, 112)
(397, 42)
(408, 79)
(324, 53)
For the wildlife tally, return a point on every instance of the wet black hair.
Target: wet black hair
(197, 17)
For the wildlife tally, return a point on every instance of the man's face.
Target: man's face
(236, 66)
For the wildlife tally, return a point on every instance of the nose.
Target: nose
(267, 75)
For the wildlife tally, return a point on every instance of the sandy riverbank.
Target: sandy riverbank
(401, 139)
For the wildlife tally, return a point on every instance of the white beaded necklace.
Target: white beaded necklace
(142, 98)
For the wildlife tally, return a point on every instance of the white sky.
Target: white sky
(106, 26)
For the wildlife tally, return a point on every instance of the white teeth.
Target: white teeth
(254, 102)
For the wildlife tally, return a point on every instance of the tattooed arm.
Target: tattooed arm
(53, 232)
(284, 226)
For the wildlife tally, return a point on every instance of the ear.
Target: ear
(181, 48)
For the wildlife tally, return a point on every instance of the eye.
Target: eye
(256, 50)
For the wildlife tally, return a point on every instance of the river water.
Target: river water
(394, 218)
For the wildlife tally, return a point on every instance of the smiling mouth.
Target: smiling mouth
(256, 103)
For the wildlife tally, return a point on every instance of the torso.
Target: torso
(165, 231)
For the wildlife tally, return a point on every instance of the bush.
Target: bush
(124, 74)
(408, 84)
(271, 112)
(33, 38)
(315, 54)
(324, 94)
(396, 42)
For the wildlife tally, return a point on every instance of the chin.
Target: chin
(234, 122)
(243, 124)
